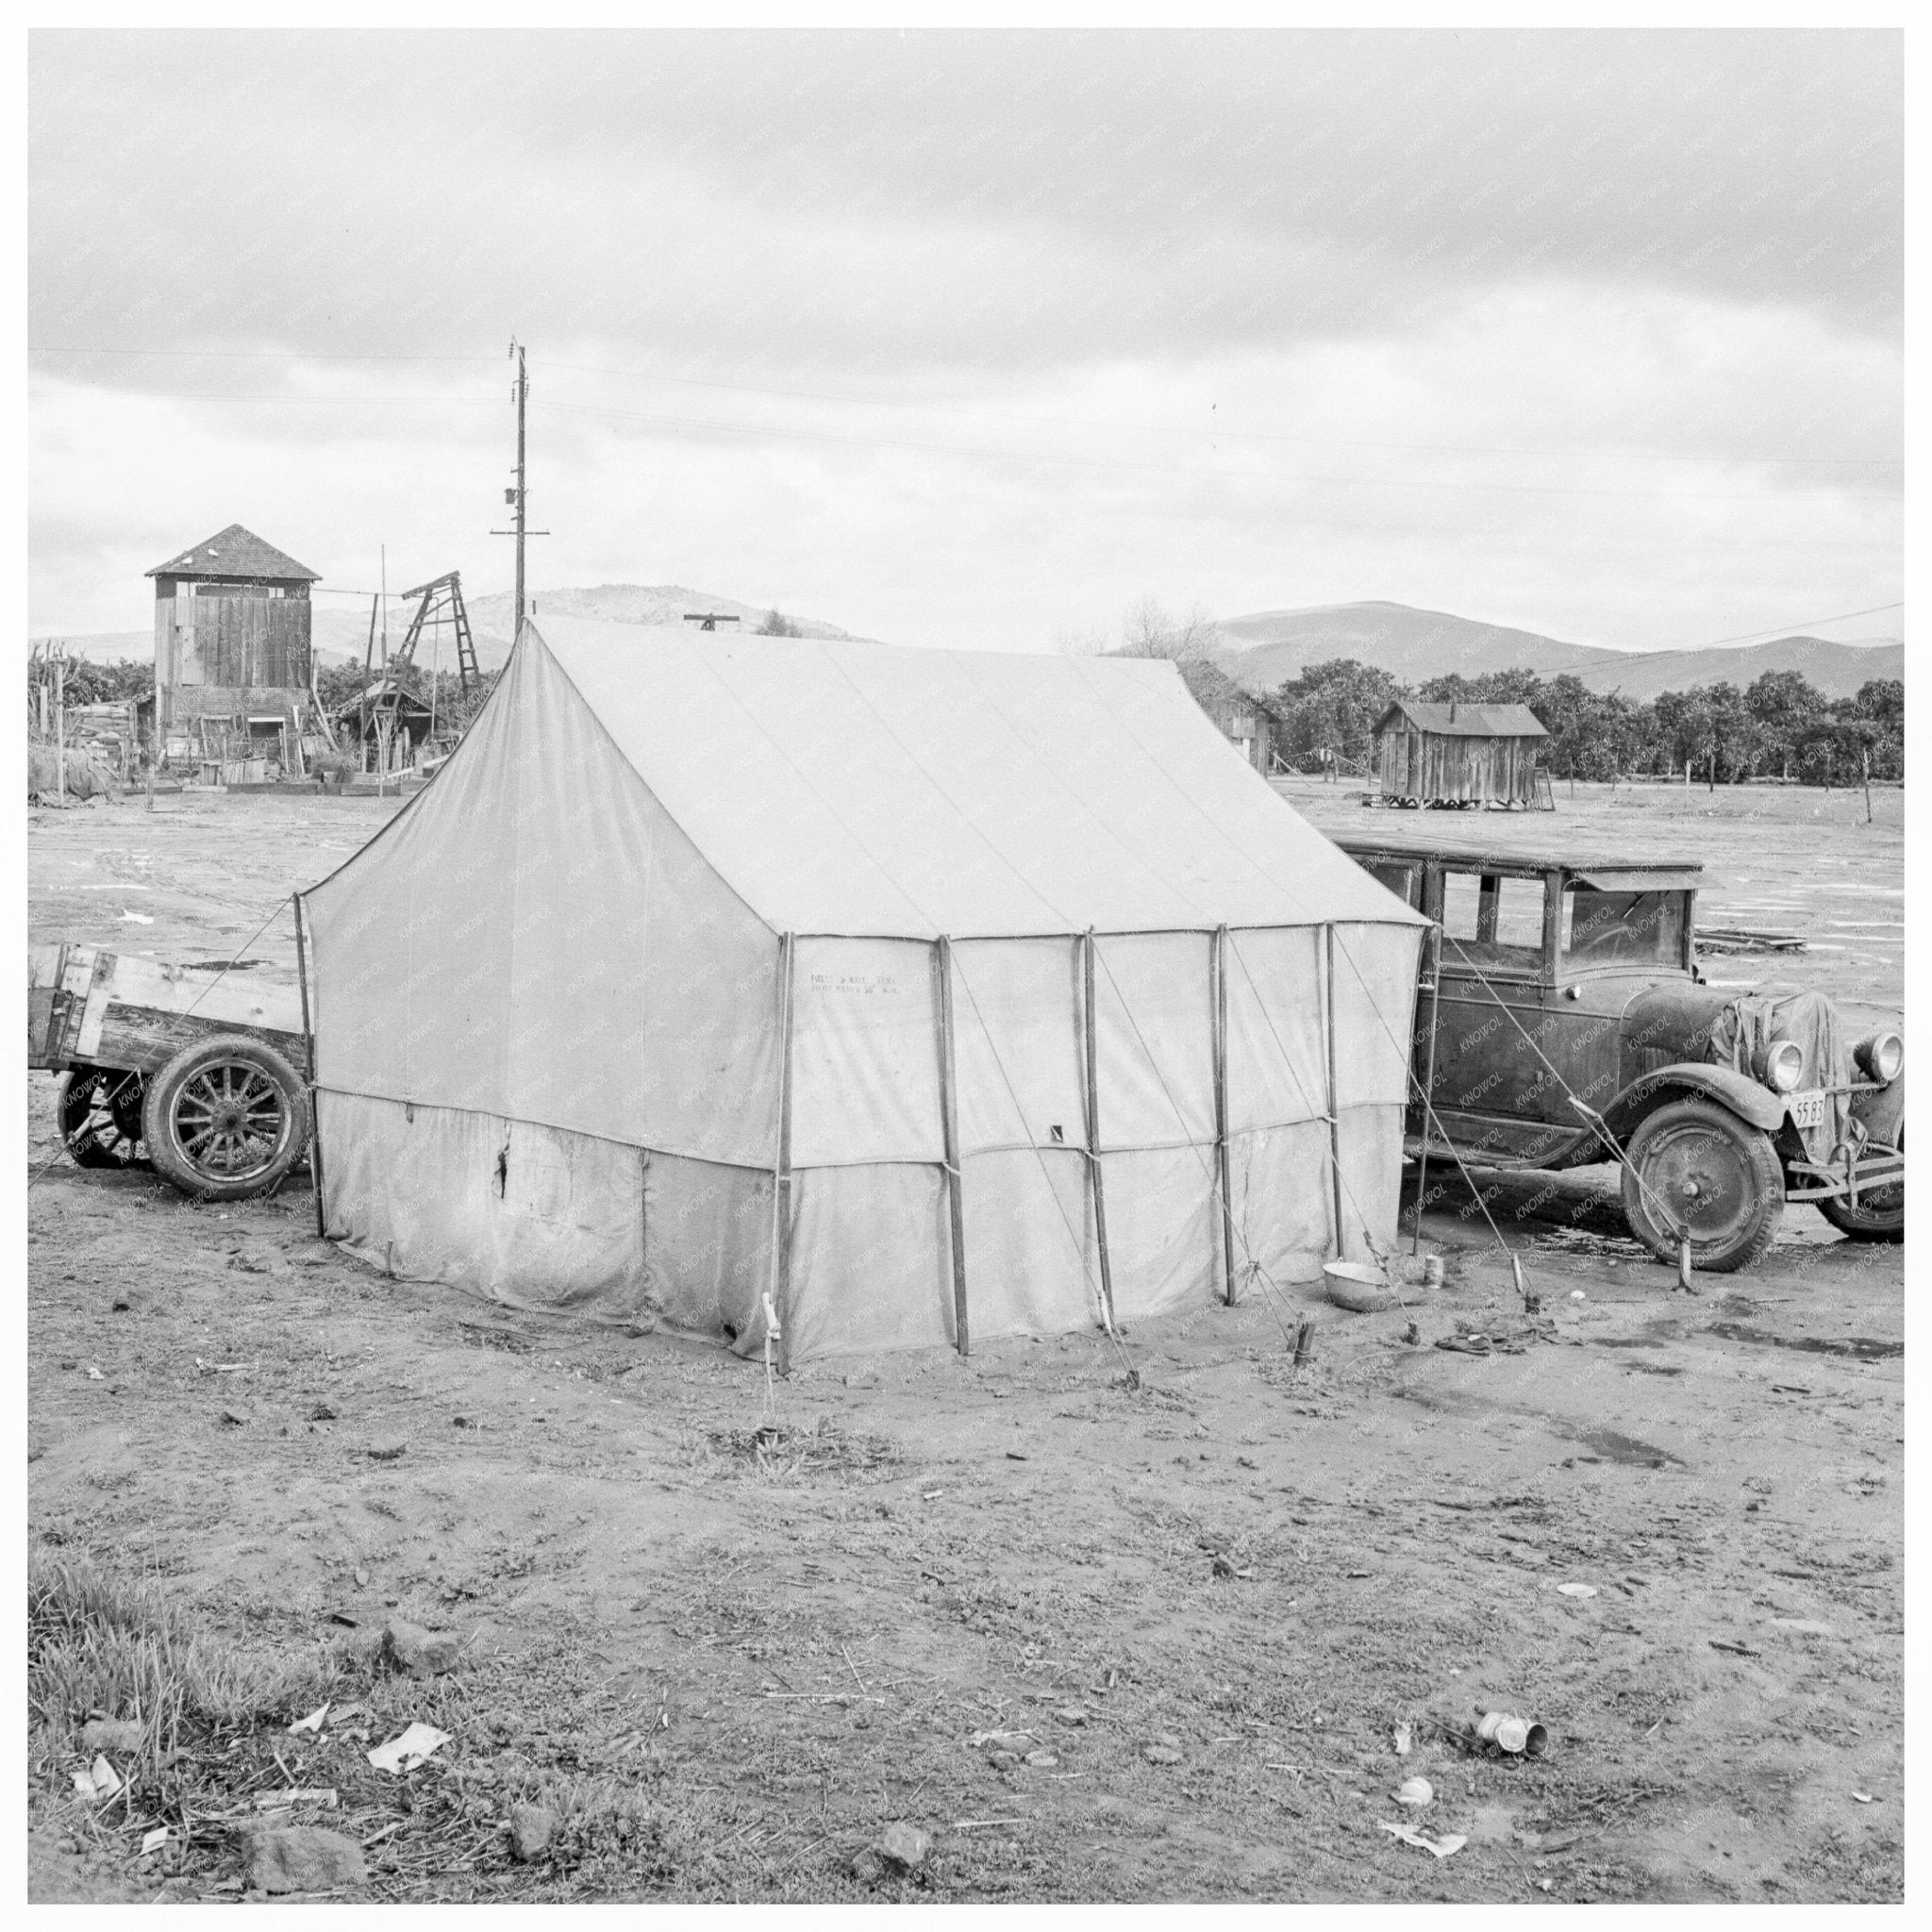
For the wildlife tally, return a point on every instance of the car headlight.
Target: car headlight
(1780, 1065)
(1882, 1058)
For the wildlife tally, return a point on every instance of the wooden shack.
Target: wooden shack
(232, 651)
(1460, 754)
(1247, 722)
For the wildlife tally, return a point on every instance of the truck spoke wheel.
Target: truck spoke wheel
(100, 1117)
(226, 1118)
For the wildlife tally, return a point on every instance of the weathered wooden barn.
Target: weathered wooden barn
(1460, 754)
(1247, 723)
(231, 650)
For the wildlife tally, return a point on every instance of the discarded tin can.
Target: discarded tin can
(1515, 1735)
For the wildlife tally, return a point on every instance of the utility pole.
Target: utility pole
(518, 495)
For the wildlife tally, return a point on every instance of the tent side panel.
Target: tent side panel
(870, 1260)
(1279, 1196)
(1032, 1267)
(1375, 1013)
(708, 1247)
(1163, 1230)
(523, 1214)
(1016, 1033)
(865, 1046)
(1153, 1039)
(1369, 1140)
(538, 938)
(1276, 1058)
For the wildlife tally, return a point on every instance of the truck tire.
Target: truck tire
(1694, 1163)
(1880, 1215)
(226, 1118)
(100, 1117)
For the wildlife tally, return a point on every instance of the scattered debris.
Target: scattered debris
(531, 1828)
(1416, 1791)
(1405, 1740)
(155, 1839)
(325, 1795)
(1162, 1750)
(387, 1454)
(1442, 1847)
(1576, 1590)
(1072, 1714)
(1863, 1797)
(101, 1781)
(303, 1857)
(1004, 1740)
(312, 1722)
(1042, 1760)
(413, 1747)
(1464, 1345)
(1514, 1735)
(1736, 1649)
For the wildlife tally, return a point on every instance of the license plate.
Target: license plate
(1808, 1109)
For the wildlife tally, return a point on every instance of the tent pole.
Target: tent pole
(949, 1118)
(781, 1179)
(308, 1041)
(1333, 1104)
(1220, 1146)
(1087, 956)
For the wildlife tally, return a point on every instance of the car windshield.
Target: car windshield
(1602, 929)
(1493, 921)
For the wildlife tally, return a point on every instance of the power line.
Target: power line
(1785, 630)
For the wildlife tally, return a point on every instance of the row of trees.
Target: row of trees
(1780, 725)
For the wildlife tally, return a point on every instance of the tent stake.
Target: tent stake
(1334, 1100)
(949, 1118)
(1086, 944)
(1220, 1146)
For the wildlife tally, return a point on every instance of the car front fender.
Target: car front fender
(1744, 1097)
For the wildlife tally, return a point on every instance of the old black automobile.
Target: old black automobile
(1569, 1022)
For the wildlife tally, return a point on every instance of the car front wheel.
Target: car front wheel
(1694, 1166)
(1880, 1215)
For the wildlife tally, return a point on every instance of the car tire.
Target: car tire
(1699, 1162)
(1885, 1222)
(225, 1118)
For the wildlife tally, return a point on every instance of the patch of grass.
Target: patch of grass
(100, 1645)
(819, 1448)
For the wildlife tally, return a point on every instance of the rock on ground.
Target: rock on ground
(421, 1653)
(903, 1844)
(531, 1828)
(303, 1857)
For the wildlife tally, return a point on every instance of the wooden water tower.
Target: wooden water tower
(231, 649)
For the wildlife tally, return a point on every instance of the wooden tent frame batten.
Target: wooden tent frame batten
(949, 1121)
(1096, 1185)
(1334, 1095)
(781, 1171)
(308, 1041)
(1223, 1162)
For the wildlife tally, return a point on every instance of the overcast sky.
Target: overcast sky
(979, 340)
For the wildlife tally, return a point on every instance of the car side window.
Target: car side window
(1603, 926)
(1492, 920)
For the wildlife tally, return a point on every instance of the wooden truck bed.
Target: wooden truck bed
(88, 1006)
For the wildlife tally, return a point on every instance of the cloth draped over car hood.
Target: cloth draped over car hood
(1752, 1020)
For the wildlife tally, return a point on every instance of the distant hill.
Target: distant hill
(340, 635)
(1266, 649)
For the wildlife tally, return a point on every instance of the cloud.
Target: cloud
(964, 338)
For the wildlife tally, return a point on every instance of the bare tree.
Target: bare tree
(1149, 631)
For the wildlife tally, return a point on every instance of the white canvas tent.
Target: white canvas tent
(934, 995)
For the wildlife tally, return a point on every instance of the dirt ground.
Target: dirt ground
(1207, 1602)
